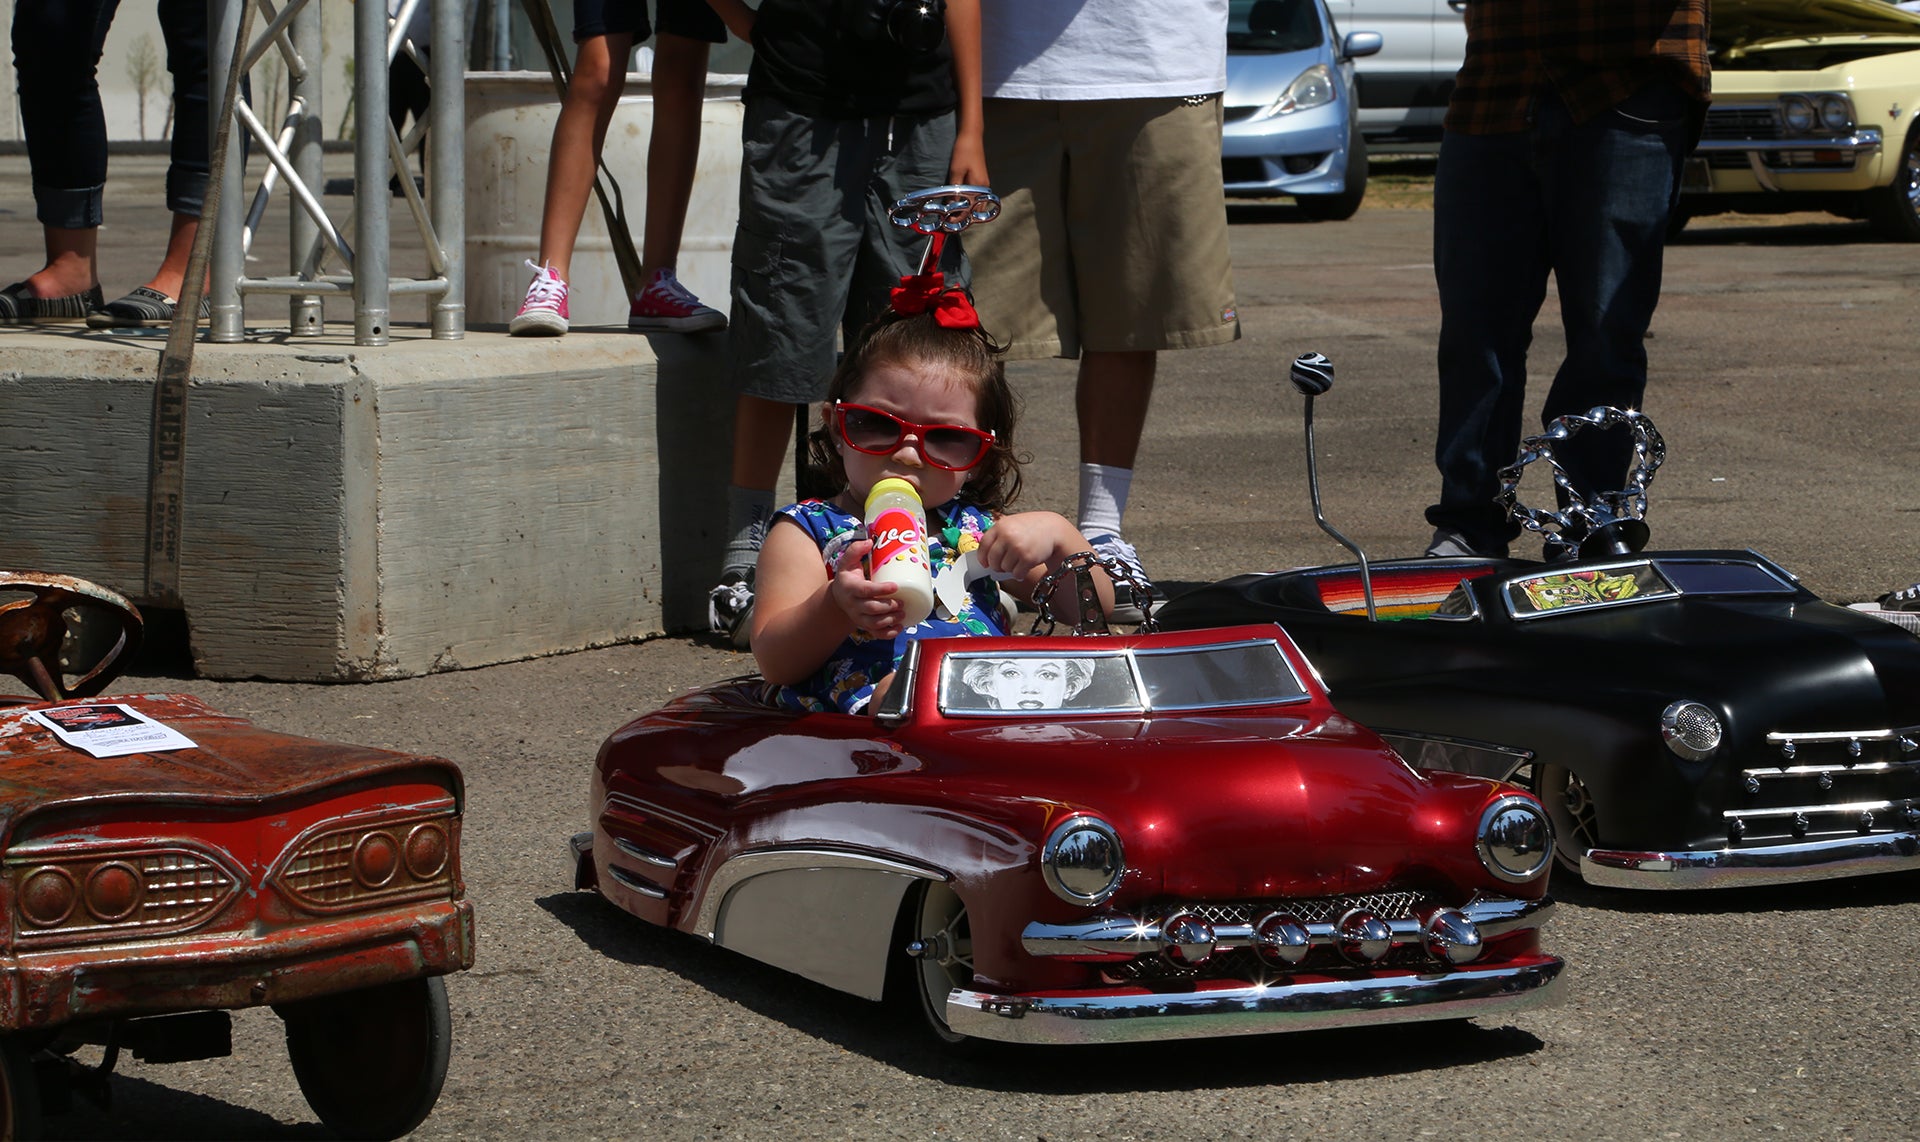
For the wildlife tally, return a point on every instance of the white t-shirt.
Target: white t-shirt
(1102, 49)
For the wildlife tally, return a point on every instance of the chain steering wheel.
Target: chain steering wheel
(1609, 523)
(1092, 620)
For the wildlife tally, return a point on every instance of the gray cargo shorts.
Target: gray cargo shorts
(814, 253)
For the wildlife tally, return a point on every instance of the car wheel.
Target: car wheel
(19, 1091)
(1342, 206)
(936, 957)
(1895, 209)
(371, 1062)
(1570, 807)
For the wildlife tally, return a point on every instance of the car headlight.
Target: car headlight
(1691, 729)
(1836, 113)
(1082, 860)
(1797, 113)
(1311, 88)
(1516, 839)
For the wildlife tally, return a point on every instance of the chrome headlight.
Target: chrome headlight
(1516, 839)
(1798, 114)
(1082, 860)
(1691, 730)
(1313, 87)
(1836, 113)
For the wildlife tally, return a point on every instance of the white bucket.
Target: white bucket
(510, 117)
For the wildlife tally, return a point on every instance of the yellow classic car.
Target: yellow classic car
(1813, 109)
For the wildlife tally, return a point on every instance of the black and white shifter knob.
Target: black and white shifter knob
(1312, 374)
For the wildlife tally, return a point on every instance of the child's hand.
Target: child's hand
(868, 605)
(1016, 545)
(1022, 548)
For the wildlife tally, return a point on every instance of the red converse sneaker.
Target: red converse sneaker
(666, 306)
(544, 313)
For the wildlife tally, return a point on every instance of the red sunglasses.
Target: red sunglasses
(954, 447)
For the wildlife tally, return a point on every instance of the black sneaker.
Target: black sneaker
(730, 608)
(1905, 599)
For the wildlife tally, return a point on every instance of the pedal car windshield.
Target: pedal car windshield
(1129, 681)
(1543, 592)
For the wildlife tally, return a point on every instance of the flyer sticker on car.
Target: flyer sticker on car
(109, 729)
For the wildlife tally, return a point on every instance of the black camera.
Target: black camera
(917, 25)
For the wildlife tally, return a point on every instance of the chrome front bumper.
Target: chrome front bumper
(1139, 1016)
(1772, 864)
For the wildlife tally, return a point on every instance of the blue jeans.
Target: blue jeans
(1588, 203)
(56, 57)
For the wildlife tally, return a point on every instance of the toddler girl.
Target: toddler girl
(924, 398)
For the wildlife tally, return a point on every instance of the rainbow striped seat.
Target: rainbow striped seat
(1398, 592)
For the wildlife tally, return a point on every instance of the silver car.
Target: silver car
(1292, 124)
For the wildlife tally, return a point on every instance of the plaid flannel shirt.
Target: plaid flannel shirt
(1592, 53)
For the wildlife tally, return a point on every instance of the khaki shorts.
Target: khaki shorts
(1113, 229)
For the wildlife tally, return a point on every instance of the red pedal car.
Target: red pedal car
(165, 863)
(1080, 840)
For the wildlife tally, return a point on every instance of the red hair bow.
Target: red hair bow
(920, 293)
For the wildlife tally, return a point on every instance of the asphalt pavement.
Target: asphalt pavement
(1784, 385)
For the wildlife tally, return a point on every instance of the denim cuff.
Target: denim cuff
(70, 208)
(186, 191)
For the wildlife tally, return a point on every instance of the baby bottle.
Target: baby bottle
(897, 525)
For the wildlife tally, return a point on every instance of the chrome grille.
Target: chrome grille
(1246, 964)
(1829, 783)
(1324, 909)
(1742, 123)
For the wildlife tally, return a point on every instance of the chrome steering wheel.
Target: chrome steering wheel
(1608, 523)
(945, 209)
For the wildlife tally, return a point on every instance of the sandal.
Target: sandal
(143, 308)
(18, 306)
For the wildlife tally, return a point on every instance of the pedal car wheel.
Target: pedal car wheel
(38, 615)
(939, 956)
(1570, 808)
(371, 1062)
(19, 1091)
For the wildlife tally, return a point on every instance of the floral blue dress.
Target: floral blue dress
(846, 681)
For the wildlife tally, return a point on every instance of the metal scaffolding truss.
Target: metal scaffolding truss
(324, 261)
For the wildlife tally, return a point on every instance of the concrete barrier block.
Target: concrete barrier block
(361, 513)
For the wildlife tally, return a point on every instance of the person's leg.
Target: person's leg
(793, 256)
(1148, 233)
(605, 36)
(1613, 184)
(57, 46)
(1490, 263)
(663, 305)
(673, 150)
(579, 132)
(687, 28)
(172, 274)
(183, 24)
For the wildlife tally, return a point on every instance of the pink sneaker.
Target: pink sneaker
(666, 306)
(544, 313)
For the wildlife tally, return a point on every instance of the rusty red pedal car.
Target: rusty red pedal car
(150, 885)
(1082, 840)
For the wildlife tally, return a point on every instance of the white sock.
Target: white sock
(1103, 498)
